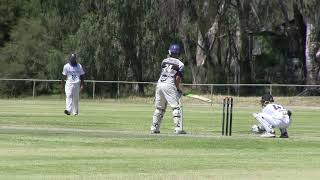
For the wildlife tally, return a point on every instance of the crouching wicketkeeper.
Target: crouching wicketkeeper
(272, 116)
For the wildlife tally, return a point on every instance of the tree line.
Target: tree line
(224, 41)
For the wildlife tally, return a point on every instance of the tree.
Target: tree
(10, 11)
(311, 15)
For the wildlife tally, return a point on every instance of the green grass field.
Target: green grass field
(110, 140)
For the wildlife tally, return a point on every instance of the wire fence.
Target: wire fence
(117, 89)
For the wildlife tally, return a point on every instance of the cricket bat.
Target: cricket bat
(181, 110)
(190, 95)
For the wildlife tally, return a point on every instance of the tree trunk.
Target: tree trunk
(206, 38)
(243, 46)
(205, 43)
(311, 45)
(188, 54)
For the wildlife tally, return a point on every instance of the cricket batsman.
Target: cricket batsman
(272, 116)
(168, 91)
(74, 75)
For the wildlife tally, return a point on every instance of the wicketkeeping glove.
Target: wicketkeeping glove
(289, 113)
(179, 92)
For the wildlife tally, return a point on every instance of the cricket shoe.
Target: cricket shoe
(284, 135)
(67, 112)
(180, 132)
(268, 135)
(155, 129)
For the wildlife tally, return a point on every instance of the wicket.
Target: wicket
(226, 128)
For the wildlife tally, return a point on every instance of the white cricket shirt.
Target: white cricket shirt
(170, 68)
(72, 73)
(275, 110)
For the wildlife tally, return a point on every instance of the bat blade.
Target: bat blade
(198, 97)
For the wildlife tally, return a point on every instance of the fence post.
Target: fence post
(118, 90)
(34, 89)
(93, 89)
(270, 89)
(211, 93)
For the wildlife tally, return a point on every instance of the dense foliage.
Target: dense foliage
(127, 39)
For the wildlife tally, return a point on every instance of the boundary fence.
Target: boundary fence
(211, 86)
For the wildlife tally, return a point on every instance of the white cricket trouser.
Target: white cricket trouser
(269, 122)
(167, 94)
(72, 91)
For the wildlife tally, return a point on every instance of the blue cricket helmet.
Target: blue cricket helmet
(73, 60)
(174, 49)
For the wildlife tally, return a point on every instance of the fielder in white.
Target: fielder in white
(167, 91)
(74, 76)
(272, 116)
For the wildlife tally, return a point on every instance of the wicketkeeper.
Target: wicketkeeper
(272, 116)
(74, 74)
(168, 91)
